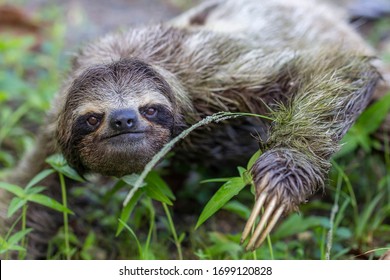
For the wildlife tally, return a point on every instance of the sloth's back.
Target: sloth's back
(293, 24)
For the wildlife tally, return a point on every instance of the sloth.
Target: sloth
(129, 93)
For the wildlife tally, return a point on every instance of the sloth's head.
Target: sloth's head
(116, 117)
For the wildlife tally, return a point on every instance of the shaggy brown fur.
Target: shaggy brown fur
(297, 61)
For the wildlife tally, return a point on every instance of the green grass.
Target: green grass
(199, 220)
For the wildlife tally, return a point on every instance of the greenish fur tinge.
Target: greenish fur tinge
(298, 62)
(307, 129)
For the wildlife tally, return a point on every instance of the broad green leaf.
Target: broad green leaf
(220, 198)
(126, 211)
(15, 238)
(39, 177)
(373, 116)
(155, 179)
(181, 237)
(3, 245)
(245, 175)
(16, 190)
(87, 245)
(365, 142)
(130, 179)
(15, 204)
(368, 122)
(34, 190)
(155, 193)
(241, 171)
(6, 159)
(253, 159)
(48, 202)
(295, 224)
(12, 248)
(237, 208)
(90, 240)
(343, 233)
(70, 173)
(59, 163)
(348, 144)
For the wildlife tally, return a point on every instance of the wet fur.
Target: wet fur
(297, 61)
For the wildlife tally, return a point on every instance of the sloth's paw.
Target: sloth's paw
(284, 178)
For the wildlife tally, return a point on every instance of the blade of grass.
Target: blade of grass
(369, 209)
(134, 236)
(39, 177)
(128, 209)
(65, 215)
(173, 231)
(335, 208)
(152, 223)
(22, 254)
(225, 193)
(350, 190)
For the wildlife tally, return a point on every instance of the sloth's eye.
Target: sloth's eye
(93, 121)
(150, 112)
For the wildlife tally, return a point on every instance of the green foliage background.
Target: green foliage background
(349, 220)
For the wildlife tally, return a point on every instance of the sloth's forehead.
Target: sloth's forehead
(115, 101)
(122, 84)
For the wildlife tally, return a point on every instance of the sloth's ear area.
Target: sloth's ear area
(74, 63)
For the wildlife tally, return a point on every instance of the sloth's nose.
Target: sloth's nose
(123, 120)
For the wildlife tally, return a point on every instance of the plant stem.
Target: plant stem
(335, 209)
(271, 250)
(387, 161)
(350, 190)
(171, 225)
(22, 254)
(66, 228)
(152, 217)
(323, 241)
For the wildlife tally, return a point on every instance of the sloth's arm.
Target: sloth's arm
(331, 91)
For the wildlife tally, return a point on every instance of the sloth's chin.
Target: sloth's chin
(121, 154)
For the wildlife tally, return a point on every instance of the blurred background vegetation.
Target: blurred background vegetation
(36, 40)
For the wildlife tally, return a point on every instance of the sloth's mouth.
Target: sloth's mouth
(127, 134)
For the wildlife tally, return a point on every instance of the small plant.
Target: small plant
(31, 193)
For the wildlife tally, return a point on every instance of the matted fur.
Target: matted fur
(297, 61)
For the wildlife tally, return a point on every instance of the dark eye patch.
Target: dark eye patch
(79, 129)
(163, 116)
(82, 126)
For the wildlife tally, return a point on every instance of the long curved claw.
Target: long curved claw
(255, 212)
(264, 219)
(271, 215)
(270, 226)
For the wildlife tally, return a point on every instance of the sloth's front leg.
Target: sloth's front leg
(305, 133)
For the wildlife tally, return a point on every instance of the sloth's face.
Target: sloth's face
(116, 118)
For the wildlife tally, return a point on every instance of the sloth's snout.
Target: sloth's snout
(124, 120)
